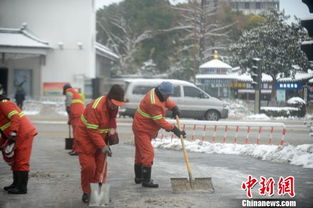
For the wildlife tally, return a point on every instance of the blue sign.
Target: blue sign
(288, 85)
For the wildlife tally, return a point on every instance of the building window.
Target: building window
(258, 5)
(247, 5)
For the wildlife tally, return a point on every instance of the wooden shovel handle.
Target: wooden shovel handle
(184, 150)
(103, 169)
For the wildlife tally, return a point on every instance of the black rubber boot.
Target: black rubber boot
(6, 188)
(85, 198)
(146, 175)
(21, 183)
(138, 175)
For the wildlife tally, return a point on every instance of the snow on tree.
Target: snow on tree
(203, 32)
(276, 43)
(134, 30)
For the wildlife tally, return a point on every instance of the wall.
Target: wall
(67, 21)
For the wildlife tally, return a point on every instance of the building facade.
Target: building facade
(69, 52)
(254, 6)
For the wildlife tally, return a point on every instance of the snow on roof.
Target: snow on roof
(215, 63)
(20, 38)
(307, 42)
(234, 76)
(105, 51)
(158, 81)
(298, 77)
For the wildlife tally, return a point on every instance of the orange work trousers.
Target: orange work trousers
(75, 123)
(144, 154)
(22, 152)
(91, 169)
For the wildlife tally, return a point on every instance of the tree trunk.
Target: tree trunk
(273, 93)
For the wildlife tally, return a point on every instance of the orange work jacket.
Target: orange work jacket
(12, 119)
(96, 122)
(150, 115)
(77, 104)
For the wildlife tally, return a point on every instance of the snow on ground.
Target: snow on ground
(296, 155)
(35, 107)
(258, 117)
(238, 109)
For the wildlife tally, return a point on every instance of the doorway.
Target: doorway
(24, 78)
(4, 78)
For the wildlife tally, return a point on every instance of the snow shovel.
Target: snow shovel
(69, 140)
(183, 184)
(100, 192)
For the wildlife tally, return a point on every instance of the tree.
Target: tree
(203, 31)
(134, 30)
(276, 43)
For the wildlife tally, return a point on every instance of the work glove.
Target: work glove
(106, 150)
(178, 132)
(175, 112)
(12, 137)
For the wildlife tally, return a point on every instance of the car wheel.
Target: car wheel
(212, 115)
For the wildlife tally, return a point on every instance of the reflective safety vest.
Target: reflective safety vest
(98, 104)
(147, 115)
(76, 97)
(8, 124)
(77, 104)
(93, 126)
(13, 119)
(150, 115)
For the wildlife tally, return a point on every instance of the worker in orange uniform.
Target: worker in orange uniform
(17, 134)
(97, 122)
(74, 107)
(148, 120)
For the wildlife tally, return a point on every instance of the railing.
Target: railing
(232, 132)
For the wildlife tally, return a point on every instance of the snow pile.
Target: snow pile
(296, 155)
(295, 101)
(31, 107)
(258, 117)
(47, 106)
(237, 108)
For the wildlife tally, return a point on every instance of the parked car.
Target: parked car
(192, 101)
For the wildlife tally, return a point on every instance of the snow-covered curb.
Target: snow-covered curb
(295, 155)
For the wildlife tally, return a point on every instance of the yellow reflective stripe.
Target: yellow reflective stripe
(77, 101)
(88, 125)
(4, 101)
(157, 117)
(152, 98)
(143, 113)
(5, 126)
(93, 126)
(96, 102)
(12, 113)
(104, 130)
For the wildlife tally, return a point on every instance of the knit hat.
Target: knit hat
(65, 87)
(116, 95)
(166, 88)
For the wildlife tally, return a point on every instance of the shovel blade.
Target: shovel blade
(199, 184)
(99, 195)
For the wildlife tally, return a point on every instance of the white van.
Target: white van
(191, 100)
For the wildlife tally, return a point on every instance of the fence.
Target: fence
(232, 132)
